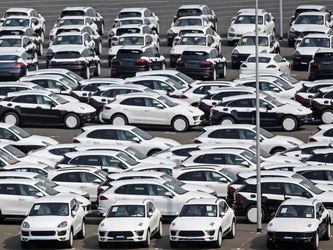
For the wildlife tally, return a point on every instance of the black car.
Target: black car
(322, 65)
(321, 105)
(309, 90)
(132, 59)
(202, 62)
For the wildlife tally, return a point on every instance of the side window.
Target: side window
(109, 134)
(242, 103)
(233, 159)
(200, 159)
(246, 134)
(150, 102)
(109, 161)
(161, 85)
(264, 104)
(315, 175)
(61, 151)
(133, 102)
(87, 177)
(122, 190)
(43, 100)
(6, 134)
(157, 190)
(31, 99)
(193, 176)
(215, 159)
(329, 95)
(251, 84)
(224, 134)
(212, 176)
(90, 160)
(137, 189)
(27, 190)
(9, 189)
(271, 188)
(293, 189)
(68, 177)
(329, 133)
(223, 206)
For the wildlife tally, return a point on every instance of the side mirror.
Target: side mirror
(318, 215)
(276, 89)
(121, 165)
(222, 214)
(245, 163)
(268, 107)
(272, 44)
(97, 181)
(150, 214)
(306, 195)
(104, 214)
(223, 180)
(63, 88)
(136, 139)
(73, 213)
(26, 214)
(168, 194)
(39, 194)
(13, 138)
(160, 106)
(53, 104)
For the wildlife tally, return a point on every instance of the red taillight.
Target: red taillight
(92, 100)
(206, 63)
(73, 94)
(298, 97)
(99, 190)
(175, 19)
(202, 104)
(313, 65)
(196, 141)
(180, 62)
(79, 62)
(314, 102)
(238, 196)
(312, 140)
(19, 64)
(103, 198)
(53, 63)
(114, 39)
(231, 189)
(271, 66)
(115, 61)
(183, 97)
(76, 141)
(243, 66)
(141, 61)
(57, 167)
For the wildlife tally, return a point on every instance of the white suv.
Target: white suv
(204, 220)
(130, 221)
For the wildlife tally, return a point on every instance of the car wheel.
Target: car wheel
(277, 150)
(69, 243)
(214, 75)
(99, 116)
(159, 233)
(158, 28)
(82, 233)
(327, 234)
(224, 73)
(146, 243)
(218, 242)
(153, 151)
(42, 36)
(289, 123)
(98, 69)
(102, 244)
(290, 43)
(99, 50)
(227, 121)
(251, 214)
(173, 244)
(270, 244)
(232, 232)
(180, 124)
(315, 242)
(101, 31)
(119, 119)
(72, 121)
(163, 66)
(87, 76)
(25, 245)
(36, 67)
(40, 49)
(11, 118)
(327, 116)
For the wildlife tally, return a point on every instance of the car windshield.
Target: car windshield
(101, 174)
(308, 184)
(247, 19)
(7, 157)
(200, 210)
(127, 211)
(10, 42)
(14, 151)
(16, 22)
(185, 77)
(64, 22)
(189, 12)
(49, 209)
(58, 98)
(130, 40)
(283, 84)
(188, 22)
(195, 55)
(173, 180)
(68, 82)
(72, 39)
(289, 79)
(193, 40)
(136, 153)
(251, 41)
(310, 19)
(142, 134)
(273, 101)
(266, 134)
(263, 153)
(75, 76)
(130, 21)
(167, 101)
(177, 189)
(22, 133)
(228, 173)
(126, 158)
(129, 14)
(46, 189)
(295, 211)
(250, 156)
(122, 31)
(316, 42)
(67, 55)
(262, 59)
(183, 32)
(46, 181)
(72, 13)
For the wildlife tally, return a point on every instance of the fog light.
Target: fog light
(139, 233)
(62, 233)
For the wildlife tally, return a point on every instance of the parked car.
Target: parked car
(321, 66)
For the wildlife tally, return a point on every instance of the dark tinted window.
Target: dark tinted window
(315, 175)
(10, 189)
(246, 103)
(61, 151)
(125, 54)
(224, 134)
(271, 188)
(193, 176)
(134, 102)
(184, 151)
(25, 99)
(109, 134)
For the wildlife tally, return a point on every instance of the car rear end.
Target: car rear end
(241, 201)
(69, 60)
(321, 66)
(12, 67)
(128, 62)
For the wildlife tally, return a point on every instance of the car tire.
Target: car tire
(101, 30)
(153, 151)
(327, 234)
(232, 232)
(11, 118)
(174, 244)
(227, 121)
(224, 72)
(119, 119)
(180, 124)
(102, 244)
(270, 244)
(99, 116)
(214, 75)
(290, 43)
(159, 232)
(87, 73)
(25, 245)
(289, 123)
(146, 243)
(42, 36)
(69, 243)
(251, 214)
(82, 233)
(277, 150)
(326, 116)
(72, 121)
(99, 49)
(315, 242)
(163, 66)
(40, 49)
(218, 242)
(98, 69)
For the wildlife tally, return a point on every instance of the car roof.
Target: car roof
(21, 17)
(45, 76)
(237, 97)
(77, 8)
(138, 94)
(29, 92)
(311, 168)
(204, 201)
(313, 13)
(235, 126)
(283, 165)
(317, 28)
(18, 174)
(249, 174)
(130, 202)
(148, 77)
(13, 9)
(270, 55)
(12, 37)
(71, 33)
(136, 173)
(19, 181)
(253, 181)
(324, 50)
(150, 166)
(259, 34)
(248, 12)
(56, 199)
(192, 6)
(190, 17)
(56, 172)
(18, 83)
(133, 35)
(325, 126)
(194, 34)
(310, 6)
(122, 86)
(199, 48)
(300, 201)
(315, 144)
(194, 27)
(102, 80)
(120, 127)
(72, 26)
(91, 152)
(138, 181)
(132, 47)
(319, 35)
(14, 28)
(132, 9)
(220, 151)
(60, 145)
(157, 72)
(12, 51)
(74, 17)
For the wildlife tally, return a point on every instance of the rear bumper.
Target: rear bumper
(13, 72)
(78, 69)
(117, 71)
(197, 73)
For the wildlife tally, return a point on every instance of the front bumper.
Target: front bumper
(87, 117)
(289, 237)
(121, 236)
(61, 234)
(234, 37)
(188, 236)
(304, 119)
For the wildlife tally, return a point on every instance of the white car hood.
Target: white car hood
(43, 222)
(251, 49)
(124, 223)
(282, 159)
(243, 28)
(80, 108)
(307, 50)
(294, 225)
(301, 27)
(82, 201)
(198, 188)
(161, 140)
(37, 160)
(283, 138)
(70, 190)
(156, 160)
(188, 109)
(199, 223)
(46, 141)
(289, 109)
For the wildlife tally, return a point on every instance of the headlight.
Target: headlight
(292, 143)
(49, 52)
(235, 52)
(292, 30)
(232, 30)
(25, 225)
(63, 224)
(170, 31)
(297, 53)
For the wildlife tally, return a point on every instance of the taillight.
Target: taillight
(99, 190)
(57, 167)
(106, 108)
(19, 64)
(183, 97)
(114, 39)
(312, 140)
(196, 141)
(271, 66)
(115, 61)
(73, 94)
(298, 97)
(231, 189)
(53, 63)
(92, 100)
(103, 198)
(76, 141)
(206, 63)
(141, 61)
(238, 196)
(180, 62)
(314, 102)
(243, 66)
(79, 62)
(202, 104)
(313, 65)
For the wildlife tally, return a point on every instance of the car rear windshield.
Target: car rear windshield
(129, 14)
(16, 22)
(71, 22)
(189, 12)
(188, 22)
(185, 77)
(72, 13)
(122, 31)
(300, 11)
(142, 134)
(124, 54)
(183, 32)
(323, 57)
(63, 40)
(310, 19)
(10, 42)
(8, 58)
(131, 21)
(11, 33)
(132, 40)
(15, 13)
(67, 55)
(196, 55)
(193, 40)
(14, 151)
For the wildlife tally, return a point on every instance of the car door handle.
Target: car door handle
(21, 199)
(83, 186)
(253, 196)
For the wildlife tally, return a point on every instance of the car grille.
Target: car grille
(243, 57)
(306, 58)
(291, 234)
(120, 233)
(191, 233)
(42, 233)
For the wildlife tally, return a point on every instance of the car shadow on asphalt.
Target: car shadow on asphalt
(14, 243)
(259, 242)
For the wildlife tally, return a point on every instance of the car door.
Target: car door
(25, 105)
(320, 217)
(227, 217)
(195, 177)
(69, 179)
(47, 111)
(9, 199)
(156, 112)
(217, 182)
(154, 219)
(27, 197)
(74, 205)
(268, 115)
(272, 196)
(156, 61)
(243, 110)
(164, 203)
(294, 191)
(134, 109)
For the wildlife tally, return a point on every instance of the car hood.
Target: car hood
(251, 49)
(283, 138)
(199, 223)
(243, 28)
(188, 110)
(43, 222)
(124, 223)
(294, 225)
(301, 27)
(39, 160)
(161, 140)
(82, 201)
(193, 194)
(282, 159)
(70, 190)
(156, 160)
(81, 108)
(43, 140)
(307, 50)
(290, 109)
(198, 188)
